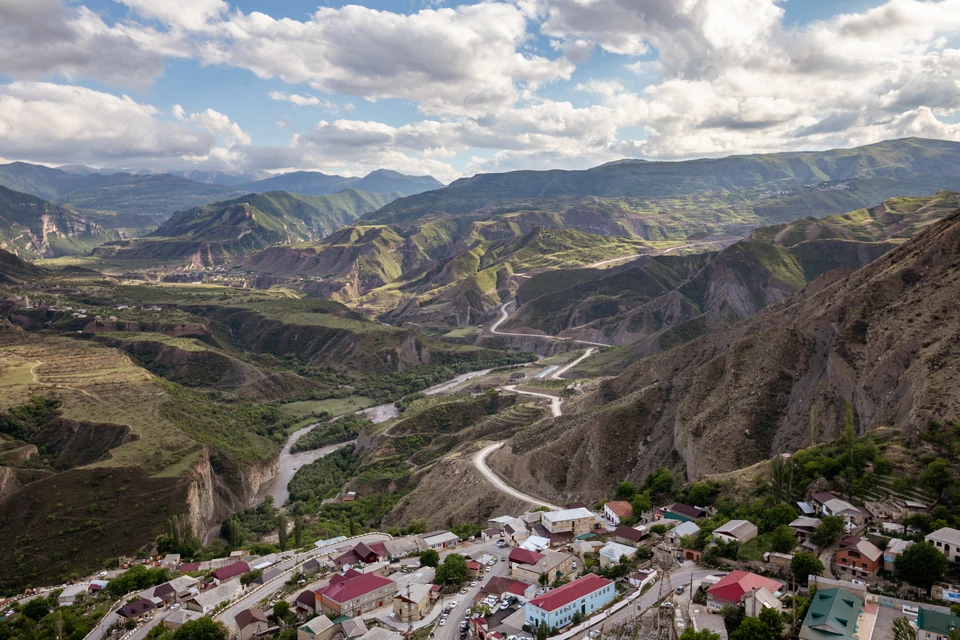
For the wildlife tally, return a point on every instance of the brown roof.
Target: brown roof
(136, 608)
(354, 587)
(686, 510)
(621, 508)
(231, 571)
(629, 533)
(575, 505)
(308, 598)
(249, 616)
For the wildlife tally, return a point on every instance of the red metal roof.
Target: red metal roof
(354, 587)
(621, 508)
(231, 571)
(473, 565)
(189, 566)
(569, 592)
(524, 556)
(736, 583)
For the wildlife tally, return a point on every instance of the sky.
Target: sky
(451, 88)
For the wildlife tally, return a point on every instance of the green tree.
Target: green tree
(828, 531)
(482, 609)
(280, 609)
(641, 503)
(752, 629)
(36, 609)
(937, 477)
(453, 570)
(250, 576)
(429, 558)
(282, 531)
(542, 632)
(298, 532)
(903, 630)
(626, 491)
(782, 539)
(703, 634)
(921, 565)
(201, 629)
(778, 515)
(773, 620)
(955, 634)
(700, 494)
(804, 565)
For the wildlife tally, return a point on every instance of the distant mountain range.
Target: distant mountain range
(320, 184)
(218, 232)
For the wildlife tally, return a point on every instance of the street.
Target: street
(451, 629)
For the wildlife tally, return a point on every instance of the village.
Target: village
(575, 572)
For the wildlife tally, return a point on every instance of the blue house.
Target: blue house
(557, 608)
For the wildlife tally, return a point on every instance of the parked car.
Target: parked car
(504, 606)
(595, 633)
(442, 622)
(473, 584)
(679, 590)
(464, 590)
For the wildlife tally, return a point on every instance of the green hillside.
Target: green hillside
(319, 184)
(893, 165)
(34, 228)
(224, 230)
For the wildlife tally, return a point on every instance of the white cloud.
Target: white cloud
(57, 123)
(194, 15)
(308, 101)
(43, 39)
(448, 61)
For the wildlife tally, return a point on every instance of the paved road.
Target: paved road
(480, 462)
(555, 401)
(451, 629)
(228, 615)
(649, 599)
(562, 370)
(504, 314)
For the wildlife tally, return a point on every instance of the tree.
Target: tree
(201, 629)
(544, 579)
(542, 632)
(482, 609)
(921, 565)
(453, 570)
(752, 629)
(280, 609)
(773, 620)
(703, 634)
(955, 634)
(641, 503)
(298, 532)
(36, 609)
(828, 531)
(250, 576)
(625, 491)
(700, 494)
(778, 515)
(937, 477)
(804, 565)
(903, 630)
(782, 540)
(429, 558)
(282, 531)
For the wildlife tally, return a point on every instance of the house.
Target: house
(630, 535)
(682, 512)
(756, 600)
(557, 608)
(208, 600)
(167, 592)
(947, 542)
(833, 615)
(828, 504)
(179, 618)
(617, 510)
(319, 628)
(353, 628)
(135, 609)
(807, 509)
(251, 622)
(267, 576)
(355, 595)
(234, 570)
(96, 586)
(575, 521)
(859, 555)
(738, 531)
(894, 549)
(305, 604)
(611, 553)
(170, 561)
(413, 602)
(541, 535)
(935, 625)
(528, 566)
(729, 591)
(401, 547)
(681, 531)
(498, 586)
(535, 543)
(803, 527)
(491, 533)
(642, 577)
(519, 375)
(361, 554)
(68, 597)
(474, 569)
(440, 539)
(381, 633)
(314, 566)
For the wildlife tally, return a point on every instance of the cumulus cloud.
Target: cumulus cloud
(195, 15)
(43, 39)
(308, 101)
(57, 123)
(463, 61)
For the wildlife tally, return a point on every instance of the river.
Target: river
(291, 462)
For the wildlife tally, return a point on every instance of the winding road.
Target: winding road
(504, 314)
(480, 462)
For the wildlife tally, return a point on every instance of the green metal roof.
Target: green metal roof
(934, 621)
(832, 615)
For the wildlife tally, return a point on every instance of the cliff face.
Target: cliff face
(883, 338)
(212, 497)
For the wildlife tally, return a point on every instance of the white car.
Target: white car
(488, 569)
(490, 563)
(453, 604)
(464, 590)
(176, 605)
(594, 633)
(473, 584)
(442, 622)
(504, 606)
